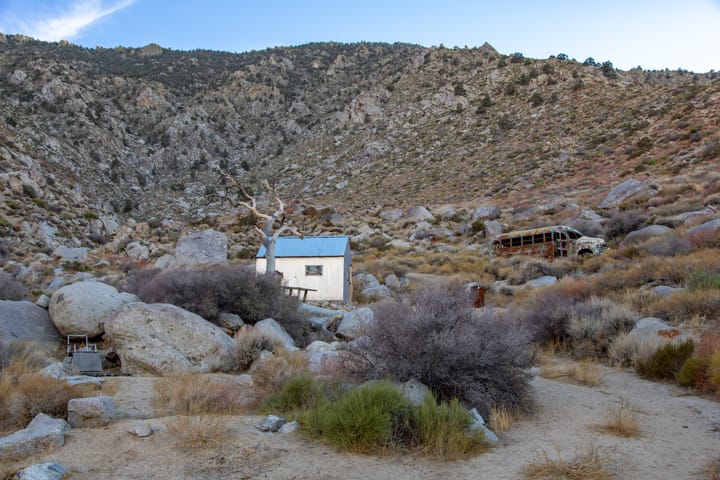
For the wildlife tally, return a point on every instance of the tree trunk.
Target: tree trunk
(270, 257)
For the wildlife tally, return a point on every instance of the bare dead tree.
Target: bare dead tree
(273, 225)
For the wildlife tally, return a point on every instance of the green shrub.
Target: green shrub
(300, 392)
(694, 372)
(703, 280)
(442, 430)
(362, 420)
(666, 362)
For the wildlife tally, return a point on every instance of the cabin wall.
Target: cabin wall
(330, 286)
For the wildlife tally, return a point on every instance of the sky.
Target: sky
(652, 34)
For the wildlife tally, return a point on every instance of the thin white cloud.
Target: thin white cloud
(67, 25)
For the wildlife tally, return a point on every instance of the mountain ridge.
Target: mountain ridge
(112, 134)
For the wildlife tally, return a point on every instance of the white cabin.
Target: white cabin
(321, 264)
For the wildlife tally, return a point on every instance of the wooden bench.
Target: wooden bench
(301, 291)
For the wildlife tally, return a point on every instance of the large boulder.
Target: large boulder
(26, 321)
(43, 433)
(208, 247)
(72, 254)
(91, 411)
(392, 215)
(419, 214)
(646, 233)
(274, 329)
(162, 339)
(355, 322)
(486, 212)
(84, 308)
(361, 281)
(630, 189)
(707, 232)
(325, 357)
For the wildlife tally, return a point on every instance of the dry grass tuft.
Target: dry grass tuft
(203, 431)
(24, 392)
(712, 471)
(201, 394)
(620, 421)
(502, 418)
(585, 373)
(586, 466)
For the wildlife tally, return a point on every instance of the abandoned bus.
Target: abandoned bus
(547, 242)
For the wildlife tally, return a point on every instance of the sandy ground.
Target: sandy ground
(680, 436)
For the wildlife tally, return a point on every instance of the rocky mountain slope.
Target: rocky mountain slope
(90, 138)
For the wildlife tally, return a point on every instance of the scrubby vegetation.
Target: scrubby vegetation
(375, 417)
(590, 465)
(24, 392)
(436, 337)
(235, 290)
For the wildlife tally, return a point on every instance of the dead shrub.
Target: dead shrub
(623, 222)
(546, 313)
(201, 394)
(435, 336)
(583, 466)
(620, 421)
(248, 344)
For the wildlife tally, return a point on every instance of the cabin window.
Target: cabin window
(313, 270)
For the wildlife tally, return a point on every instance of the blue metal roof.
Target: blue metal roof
(309, 247)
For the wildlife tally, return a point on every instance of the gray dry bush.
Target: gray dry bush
(435, 336)
(594, 324)
(208, 292)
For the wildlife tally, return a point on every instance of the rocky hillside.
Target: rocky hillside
(90, 138)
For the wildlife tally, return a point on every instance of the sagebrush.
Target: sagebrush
(436, 337)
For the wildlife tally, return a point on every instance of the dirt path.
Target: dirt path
(680, 436)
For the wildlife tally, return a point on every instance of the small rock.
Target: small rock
(289, 427)
(141, 429)
(272, 423)
(42, 471)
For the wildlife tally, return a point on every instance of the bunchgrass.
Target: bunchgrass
(583, 466)
(200, 394)
(620, 421)
(442, 430)
(198, 432)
